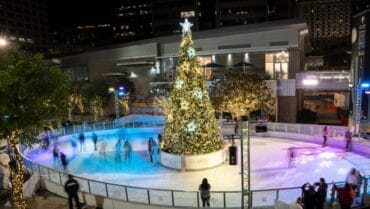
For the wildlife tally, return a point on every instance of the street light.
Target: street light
(116, 107)
(3, 42)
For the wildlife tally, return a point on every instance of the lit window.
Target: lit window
(187, 14)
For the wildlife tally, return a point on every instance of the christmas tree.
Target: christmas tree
(191, 127)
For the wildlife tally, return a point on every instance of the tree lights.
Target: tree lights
(191, 127)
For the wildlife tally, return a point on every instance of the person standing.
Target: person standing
(95, 140)
(309, 196)
(346, 195)
(321, 193)
(71, 187)
(205, 194)
(348, 138)
(325, 133)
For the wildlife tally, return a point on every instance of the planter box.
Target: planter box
(192, 162)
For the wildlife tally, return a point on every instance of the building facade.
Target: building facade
(273, 48)
(329, 29)
(360, 66)
(24, 23)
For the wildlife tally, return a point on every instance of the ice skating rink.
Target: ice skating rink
(269, 164)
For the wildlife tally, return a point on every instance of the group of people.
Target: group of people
(347, 138)
(314, 195)
(126, 149)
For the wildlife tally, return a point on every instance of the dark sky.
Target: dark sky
(64, 13)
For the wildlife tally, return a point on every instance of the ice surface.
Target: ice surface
(269, 164)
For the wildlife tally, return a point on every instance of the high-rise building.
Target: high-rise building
(208, 14)
(24, 23)
(241, 12)
(132, 20)
(328, 24)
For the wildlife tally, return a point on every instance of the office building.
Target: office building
(24, 23)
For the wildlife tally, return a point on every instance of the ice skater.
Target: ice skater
(102, 148)
(74, 146)
(291, 156)
(150, 148)
(118, 151)
(81, 137)
(159, 140)
(64, 162)
(325, 133)
(155, 152)
(127, 148)
(95, 140)
(348, 138)
(55, 155)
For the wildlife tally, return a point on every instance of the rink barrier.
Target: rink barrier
(121, 194)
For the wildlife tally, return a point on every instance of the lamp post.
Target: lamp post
(116, 106)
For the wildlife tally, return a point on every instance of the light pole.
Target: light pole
(360, 86)
(116, 106)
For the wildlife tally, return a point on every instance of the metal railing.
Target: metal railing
(179, 198)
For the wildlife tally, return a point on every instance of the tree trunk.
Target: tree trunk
(16, 172)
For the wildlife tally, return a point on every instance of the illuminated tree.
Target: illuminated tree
(75, 101)
(32, 92)
(240, 94)
(191, 127)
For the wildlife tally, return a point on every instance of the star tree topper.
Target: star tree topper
(186, 25)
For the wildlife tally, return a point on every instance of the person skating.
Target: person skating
(348, 139)
(55, 155)
(81, 137)
(95, 140)
(325, 133)
(71, 187)
(127, 149)
(63, 160)
(118, 151)
(150, 147)
(155, 152)
(205, 194)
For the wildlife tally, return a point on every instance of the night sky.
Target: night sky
(64, 13)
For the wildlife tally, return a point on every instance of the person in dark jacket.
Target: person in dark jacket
(309, 196)
(321, 193)
(63, 160)
(95, 140)
(81, 137)
(204, 189)
(71, 187)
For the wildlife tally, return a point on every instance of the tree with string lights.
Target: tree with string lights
(32, 92)
(191, 127)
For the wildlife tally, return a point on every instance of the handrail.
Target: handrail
(146, 191)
